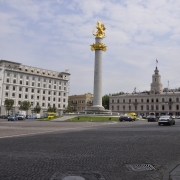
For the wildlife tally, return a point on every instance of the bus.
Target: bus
(52, 115)
(132, 114)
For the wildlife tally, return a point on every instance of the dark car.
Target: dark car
(151, 118)
(12, 118)
(4, 116)
(126, 118)
(166, 120)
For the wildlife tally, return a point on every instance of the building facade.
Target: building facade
(79, 103)
(39, 86)
(156, 100)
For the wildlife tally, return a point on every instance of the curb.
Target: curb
(169, 170)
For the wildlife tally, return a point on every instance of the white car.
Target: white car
(21, 117)
(166, 120)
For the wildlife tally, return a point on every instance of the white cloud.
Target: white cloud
(57, 35)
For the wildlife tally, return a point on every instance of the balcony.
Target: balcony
(135, 103)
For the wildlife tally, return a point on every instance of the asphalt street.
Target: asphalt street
(35, 150)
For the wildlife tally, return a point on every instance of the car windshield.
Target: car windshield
(164, 116)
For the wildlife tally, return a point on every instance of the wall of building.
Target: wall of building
(40, 87)
(80, 102)
(143, 103)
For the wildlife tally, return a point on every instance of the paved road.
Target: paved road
(92, 151)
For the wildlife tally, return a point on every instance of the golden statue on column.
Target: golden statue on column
(99, 34)
(100, 30)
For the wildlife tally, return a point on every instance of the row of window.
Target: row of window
(43, 104)
(142, 100)
(78, 101)
(37, 91)
(35, 78)
(38, 85)
(147, 108)
(32, 97)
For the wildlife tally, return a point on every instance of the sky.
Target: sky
(57, 34)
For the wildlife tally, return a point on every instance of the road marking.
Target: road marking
(64, 129)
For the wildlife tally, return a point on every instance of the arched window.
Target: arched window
(147, 100)
(141, 107)
(177, 107)
(142, 100)
(157, 100)
(129, 100)
(170, 100)
(162, 99)
(170, 107)
(123, 100)
(152, 107)
(136, 100)
(163, 107)
(177, 99)
(147, 107)
(118, 101)
(118, 108)
(112, 100)
(123, 108)
(152, 100)
(112, 108)
(130, 108)
(157, 108)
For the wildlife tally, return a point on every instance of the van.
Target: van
(132, 114)
(38, 116)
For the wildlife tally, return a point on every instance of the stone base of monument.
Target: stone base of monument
(97, 110)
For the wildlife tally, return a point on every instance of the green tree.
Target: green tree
(49, 109)
(25, 105)
(37, 109)
(68, 109)
(52, 109)
(9, 104)
(105, 101)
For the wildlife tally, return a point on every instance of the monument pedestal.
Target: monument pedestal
(97, 110)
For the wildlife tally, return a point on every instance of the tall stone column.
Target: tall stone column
(97, 99)
(98, 47)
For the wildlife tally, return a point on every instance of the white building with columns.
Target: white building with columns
(39, 86)
(156, 100)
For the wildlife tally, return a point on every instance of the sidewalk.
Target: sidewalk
(173, 173)
(64, 118)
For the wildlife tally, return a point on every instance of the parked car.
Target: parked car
(139, 117)
(12, 118)
(126, 118)
(21, 117)
(151, 118)
(174, 117)
(4, 116)
(31, 117)
(166, 120)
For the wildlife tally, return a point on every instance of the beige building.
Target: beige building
(79, 103)
(39, 86)
(156, 100)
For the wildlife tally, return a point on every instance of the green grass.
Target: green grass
(92, 119)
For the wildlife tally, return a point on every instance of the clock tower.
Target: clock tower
(156, 85)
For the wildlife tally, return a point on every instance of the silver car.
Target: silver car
(166, 120)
